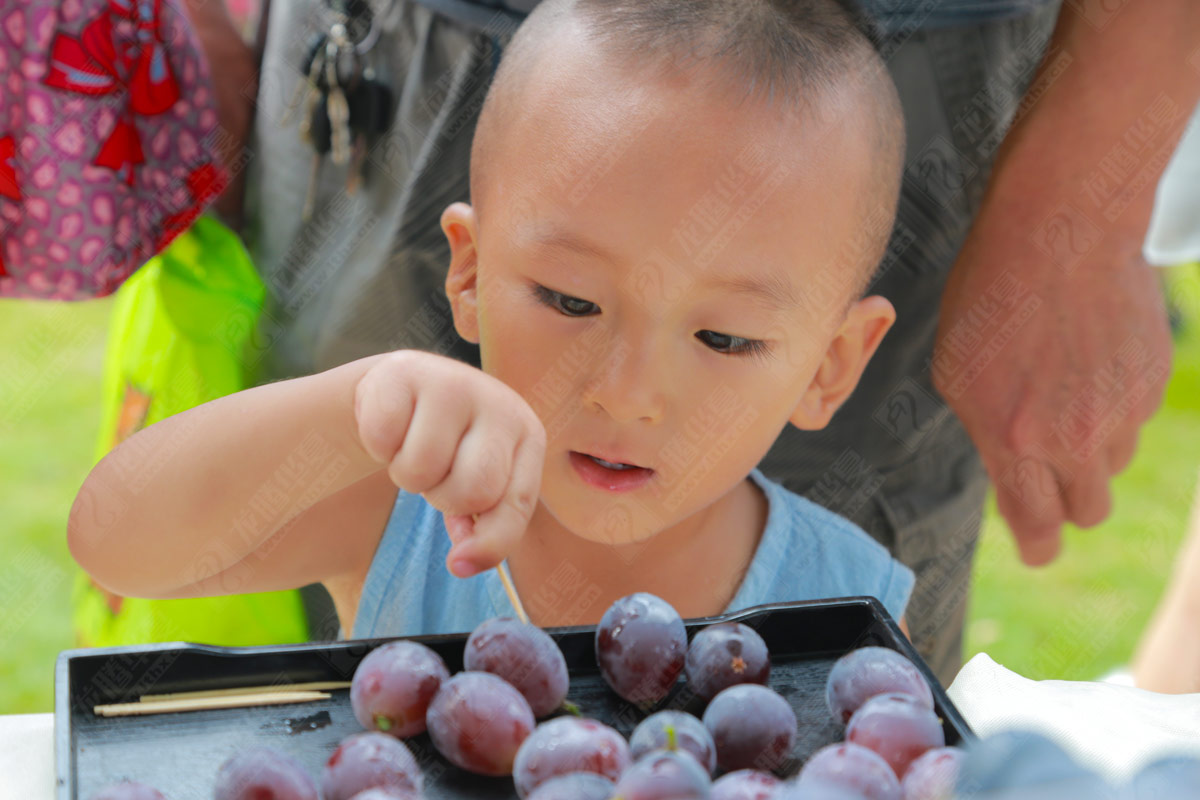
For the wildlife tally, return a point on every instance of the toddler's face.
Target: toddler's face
(660, 275)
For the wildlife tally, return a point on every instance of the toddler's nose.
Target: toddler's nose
(627, 386)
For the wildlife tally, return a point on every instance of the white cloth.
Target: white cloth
(1174, 234)
(1119, 677)
(1115, 730)
(27, 757)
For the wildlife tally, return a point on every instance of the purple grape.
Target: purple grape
(128, 790)
(723, 655)
(690, 736)
(853, 768)
(522, 654)
(393, 686)
(569, 744)
(752, 726)
(478, 721)
(863, 673)
(896, 727)
(574, 786)
(664, 775)
(745, 784)
(641, 644)
(932, 776)
(263, 774)
(367, 761)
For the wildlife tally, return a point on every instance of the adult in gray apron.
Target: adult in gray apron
(365, 273)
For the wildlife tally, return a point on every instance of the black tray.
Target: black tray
(179, 753)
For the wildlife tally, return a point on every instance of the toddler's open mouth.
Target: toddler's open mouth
(613, 476)
(611, 465)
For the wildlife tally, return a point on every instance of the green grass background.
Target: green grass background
(1076, 619)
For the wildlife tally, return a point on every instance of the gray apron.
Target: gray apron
(365, 274)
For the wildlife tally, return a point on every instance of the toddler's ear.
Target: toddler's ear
(459, 225)
(845, 359)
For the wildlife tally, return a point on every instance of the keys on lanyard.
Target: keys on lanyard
(345, 105)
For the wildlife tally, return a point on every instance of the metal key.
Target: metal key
(370, 116)
(312, 84)
(327, 126)
(335, 98)
(311, 70)
(320, 137)
(345, 104)
(339, 121)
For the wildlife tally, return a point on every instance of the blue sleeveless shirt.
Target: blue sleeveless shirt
(806, 553)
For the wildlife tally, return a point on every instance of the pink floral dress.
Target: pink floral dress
(108, 141)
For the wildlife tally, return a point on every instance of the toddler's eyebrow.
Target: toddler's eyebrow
(566, 241)
(775, 292)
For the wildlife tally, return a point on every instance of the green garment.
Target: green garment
(183, 333)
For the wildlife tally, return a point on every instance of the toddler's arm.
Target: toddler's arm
(290, 483)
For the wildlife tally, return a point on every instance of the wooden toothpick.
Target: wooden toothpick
(206, 703)
(509, 588)
(311, 686)
(513, 597)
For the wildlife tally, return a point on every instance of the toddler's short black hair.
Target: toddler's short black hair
(793, 55)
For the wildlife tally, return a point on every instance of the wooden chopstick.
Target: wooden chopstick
(311, 686)
(206, 703)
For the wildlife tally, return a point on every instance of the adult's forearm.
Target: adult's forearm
(234, 73)
(1093, 144)
(1052, 345)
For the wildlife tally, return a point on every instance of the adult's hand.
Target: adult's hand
(1052, 374)
(1053, 346)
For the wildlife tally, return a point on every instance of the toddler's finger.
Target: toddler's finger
(480, 472)
(427, 455)
(383, 408)
(497, 530)
(459, 526)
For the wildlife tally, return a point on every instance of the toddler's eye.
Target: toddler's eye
(571, 306)
(733, 345)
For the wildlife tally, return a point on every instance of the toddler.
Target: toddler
(676, 208)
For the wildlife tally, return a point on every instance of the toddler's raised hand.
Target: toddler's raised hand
(464, 440)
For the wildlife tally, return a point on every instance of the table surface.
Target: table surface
(27, 757)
